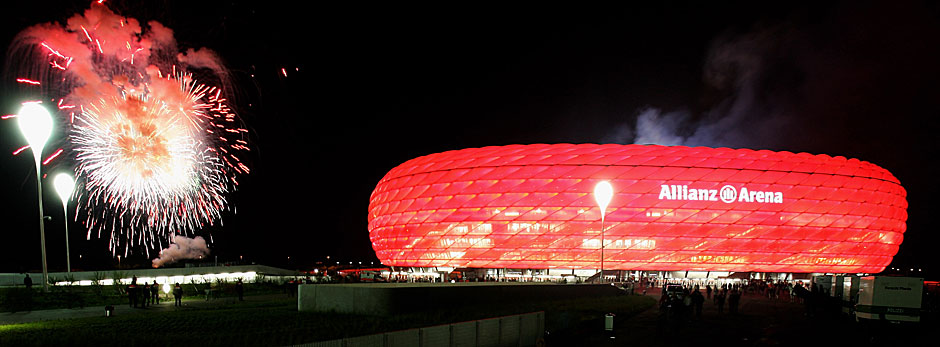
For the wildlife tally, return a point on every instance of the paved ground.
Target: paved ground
(124, 309)
(759, 322)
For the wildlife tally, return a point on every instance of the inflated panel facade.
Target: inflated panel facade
(674, 208)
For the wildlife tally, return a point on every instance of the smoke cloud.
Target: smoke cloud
(736, 67)
(806, 82)
(182, 248)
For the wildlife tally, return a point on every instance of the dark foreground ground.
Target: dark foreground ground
(274, 320)
(759, 322)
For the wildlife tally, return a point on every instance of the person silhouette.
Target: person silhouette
(154, 293)
(178, 295)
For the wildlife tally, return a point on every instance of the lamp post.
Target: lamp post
(603, 192)
(36, 125)
(64, 184)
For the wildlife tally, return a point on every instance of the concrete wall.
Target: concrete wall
(516, 330)
(345, 299)
(392, 298)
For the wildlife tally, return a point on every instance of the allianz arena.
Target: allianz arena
(673, 208)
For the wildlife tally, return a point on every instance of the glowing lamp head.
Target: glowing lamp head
(36, 125)
(603, 192)
(64, 186)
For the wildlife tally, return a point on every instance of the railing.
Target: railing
(516, 330)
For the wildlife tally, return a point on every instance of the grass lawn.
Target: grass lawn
(22, 299)
(277, 322)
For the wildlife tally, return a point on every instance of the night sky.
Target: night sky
(370, 87)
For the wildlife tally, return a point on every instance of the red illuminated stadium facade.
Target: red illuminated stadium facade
(674, 208)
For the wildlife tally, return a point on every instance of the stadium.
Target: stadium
(673, 208)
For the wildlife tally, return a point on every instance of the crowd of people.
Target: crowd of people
(814, 297)
(680, 303)
(144, 294)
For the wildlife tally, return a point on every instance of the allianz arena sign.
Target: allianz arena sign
(673, 208)
(728, 194)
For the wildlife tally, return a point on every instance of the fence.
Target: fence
(516, 330)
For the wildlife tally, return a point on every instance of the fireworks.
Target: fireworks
(155, 150)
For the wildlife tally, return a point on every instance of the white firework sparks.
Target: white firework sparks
(155, 153)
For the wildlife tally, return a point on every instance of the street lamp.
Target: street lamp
(36, 125)
(64, 184)
(603, 192)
